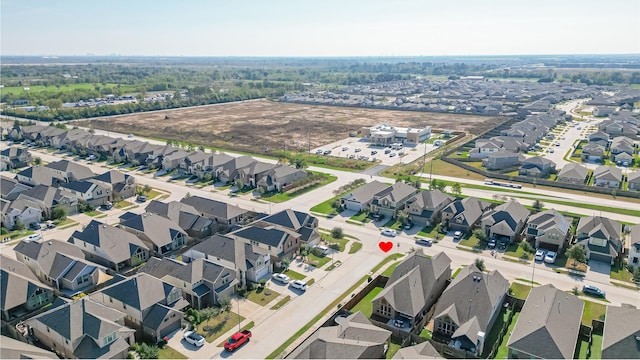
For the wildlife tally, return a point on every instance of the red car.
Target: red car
(237, 339)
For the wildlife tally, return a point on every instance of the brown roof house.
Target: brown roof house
(469, 306)
(152, 307)
(14, 157)
(83, 329)
(354, 337)
(21, 292)
(538, 167)
(548, 325)
(420, 351)
(573, 173)
(123, 185)
(413, 288)
(621, 337)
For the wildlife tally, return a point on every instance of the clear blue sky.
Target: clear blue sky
(318, 27)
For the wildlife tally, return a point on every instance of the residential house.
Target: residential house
(634, 246)
(110, 246)
(422, 350)
(160, 234)
(298, 222)
(71, 170)
(505, 222)
(601, 138)
(228, 172)
(188, 163)
(10, 188)
(23, 210)
(173, 160)
(48, 197)
(593, 152)
(392, 199)
(621, 337)
(548, 326)
(538, 167)
(123, 185)
(153, 307)
(186, 216)
(601, 238)
(573, 173)
(40, 175)
(279, 178)
(251, 174)
(360, 199)
(278, 242)
(83, 329)
(424, 208)
(603, 110)
(633, 180)
(549, 230)
(502, 160)
(59, 265)
(413, 288)
(15, 349)
(622, 144)
(463, 214)
(618, 128)
(221, 212)
(469, 307)
(623, 159)
(354, 337)
(20, 291)
(14, 157)
(94, 193)
(251, 263)
(199, 163)
(203, 282)
(607, 176)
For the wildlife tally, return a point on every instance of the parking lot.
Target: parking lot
(357, 148)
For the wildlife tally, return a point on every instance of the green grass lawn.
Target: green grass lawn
(516, 250)
(282, 197)
(15, 234)
(318, 261)
(520, 291)
(325, 206)
(425, 333)
(342, 243)
(503, 351)
(361, 216)
(365, 305)
(259, 296)
(167, 352)
(593, 311)
(471, 241)
(621, 273)
(492, 338)
(388, 271)
(428, 231)
(385, 261)
(218, 325)
(294, 275)
(91, 213)
(355, 247)
(596, 346)
(281, 303)
(455, 273)
(393, 349)
(153, 193)
(122, 204)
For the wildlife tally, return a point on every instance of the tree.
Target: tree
(537, 205)
(480, 234)
(576, 252)
(19, 225)
(285, 263)
(37, 161)
(146, 189)
(337, 233)
(225, 304)
(456, 189)
(479, 264)
(59, 212)
(403, 218)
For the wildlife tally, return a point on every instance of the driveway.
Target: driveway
(599, 272)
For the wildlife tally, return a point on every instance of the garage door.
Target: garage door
(262, 273)
(547, 246)
(352, 205)
(175, 325)
(600, 257)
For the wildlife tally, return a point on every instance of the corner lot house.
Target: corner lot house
(621, 331)
(548, 325)
(360, 198)
(392, 199)
(469, 306)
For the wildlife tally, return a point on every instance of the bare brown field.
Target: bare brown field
(253, 125)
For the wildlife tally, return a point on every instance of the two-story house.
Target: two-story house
(538, 167)
(505, 221)
(153, 307)
(94, 193)
(20, 291)
(392, 199)
(424, 208)
(161, 235)
(462, 215)
(14, 157)
(278, 242)
(123, 185)
(220, 212)
(502, 160)
(297, 221)
(601, 238)
(360, 199)
(186, 216)
(548, 230)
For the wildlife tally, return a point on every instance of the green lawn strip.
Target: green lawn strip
(355, 247)
(592, 311)
(281, 303)
(425, 333)
(592, 207)
(316, 261)
(260, 297)
(333, 265)
(122, 204)
(361, 217)
(92, 213)
(632, 287)
(366, 305)
(325, 206)
(528, 281)
(503, 351)
(393, 349)
(64, 222)
(389, 270)
(342, 243)
(218, 325)
(311, 281)
(492, 337)
(355, 222)
(249, 326)
(621, 273)
(520, 291)
(16, 234)
(294, 275)
(596, 346)
(331, 307)
(428, 231)
(167, 352)
(153, 193)
(282, 197)
(517, 251)
(455, 273)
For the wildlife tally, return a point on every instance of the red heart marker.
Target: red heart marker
(385, 245)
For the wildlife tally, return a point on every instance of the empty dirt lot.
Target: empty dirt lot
(254, 125)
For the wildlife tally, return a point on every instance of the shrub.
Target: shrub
(479, 264)
(526, 247)
(4, 231)
(337, 233)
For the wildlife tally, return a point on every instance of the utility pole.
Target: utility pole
(309, 140)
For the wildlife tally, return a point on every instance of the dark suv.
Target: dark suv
(593, 291)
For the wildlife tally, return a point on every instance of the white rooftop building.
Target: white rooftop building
(385, 134)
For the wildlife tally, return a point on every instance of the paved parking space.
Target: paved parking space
(356, 147)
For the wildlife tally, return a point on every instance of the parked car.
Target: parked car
(319, 151)
(327, 152)
(457, 234)
(298, 284)
(593, 291)
(236, 340)
(357, 150)
(352, 156)
(408, 226)
(373, 152)
(492, 244)
(387, 151)
(389, 232)
(392, 154)
(281, 278)
(50, 224)
(344, 148)
(377, 217)
(540, 253)
(35, 226)
(550, 258)
(130, 136)
(424, 242)
(141, 198)
(194, 338)
(34, 237)
(91, 157)
(107, 206)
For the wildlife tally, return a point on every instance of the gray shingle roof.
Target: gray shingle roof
(621, 331)
(209, 207)
(72, 168)
(551, 318)
(140, 291)
(117, 244)
(14, 349)
(268, 236)
(366, 192)
(17, 283)
(160, 230)
(420, 351)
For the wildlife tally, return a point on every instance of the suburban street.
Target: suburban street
(330, 285)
